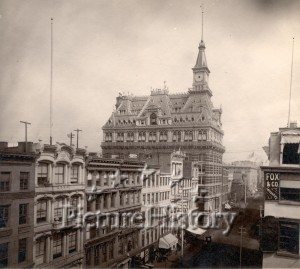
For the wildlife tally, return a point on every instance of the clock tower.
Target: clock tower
(200, 70)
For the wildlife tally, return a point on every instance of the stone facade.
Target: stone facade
(151, 127)
(156, 195)
(113, 189)
(17, 172)
(59, 194)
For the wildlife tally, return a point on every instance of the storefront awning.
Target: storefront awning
(290, 139)
(168, 241)
(227, 206)
(197, 231)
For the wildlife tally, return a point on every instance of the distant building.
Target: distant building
(244, 177)
(280, 227)
(113, 192)
(17, 177)
(59, 198)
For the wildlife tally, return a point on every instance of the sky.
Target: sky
(101, 48)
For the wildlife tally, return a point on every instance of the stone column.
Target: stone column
(182, 135)
(50, 172)
(65, 245)
(169, 136)
(50, 211)
(195, 135)
(36, 175)
(66, 174)
(79, 239)
(48, 256)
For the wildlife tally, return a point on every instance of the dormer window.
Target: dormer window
(153, 119)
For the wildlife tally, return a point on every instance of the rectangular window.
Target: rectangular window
(104, 253)
(40, 248)
(121, 246)
(57, 245)
(42, 174)
(3, 255)
(23, 208)
(97, 255)
(22, 250)
(121, 199)
(290, 194)
(289, 237)
(58, 210)
(98, 202)
(41, 212)
(4, 217)
(72, 242)
(74, 173)
(59, 174)
(290, 153)
(113, 199)
(24, 178)
(5, 181)
(111, 251)
(105, 200)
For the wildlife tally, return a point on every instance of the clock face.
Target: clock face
(198, 77)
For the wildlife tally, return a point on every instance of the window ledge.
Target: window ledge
(287, 254)
(287, 202)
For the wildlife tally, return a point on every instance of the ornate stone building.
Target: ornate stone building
(59, 197)
(113, 206)
(152, 127)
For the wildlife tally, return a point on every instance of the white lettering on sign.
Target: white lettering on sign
(272, 176)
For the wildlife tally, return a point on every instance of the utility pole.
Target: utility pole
(245, 188)
(241, 244)
(71, 136)
(25, 123)
(77, 131)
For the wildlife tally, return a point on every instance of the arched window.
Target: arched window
(202, 135)
(142, 137)
(152, 136)
(188, 136)
(153, 119)
(177, 136)
(163, 136)
(130, 137)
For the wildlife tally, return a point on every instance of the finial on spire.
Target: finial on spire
(202, 9)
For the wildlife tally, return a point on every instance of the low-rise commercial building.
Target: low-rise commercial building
(59, 199)
(280, 227)
(113, 212)
(17, 174)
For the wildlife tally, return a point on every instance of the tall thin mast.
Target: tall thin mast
(291, 80)
(202, 23)
(51, 75)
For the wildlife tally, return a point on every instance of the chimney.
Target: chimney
(3, 145)
(22, 147)
(293, 124)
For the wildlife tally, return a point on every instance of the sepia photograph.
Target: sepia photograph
(149, 134)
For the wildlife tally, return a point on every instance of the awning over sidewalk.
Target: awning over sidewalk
(169, 241)
(197, 231)
(227, 206)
